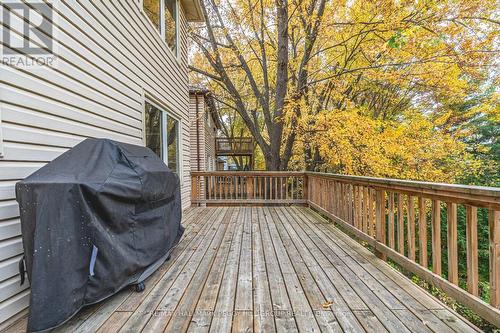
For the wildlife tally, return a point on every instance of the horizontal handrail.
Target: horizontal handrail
(400, 219)
(248, 173)
(481, 196)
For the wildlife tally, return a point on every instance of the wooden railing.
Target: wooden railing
(231, 187)
(398, 218)
(234, 146)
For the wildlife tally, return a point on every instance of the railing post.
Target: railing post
(194, 189)
(452, 243)
(436, 237)
(380, 221)
(494, 224)
(249, 187)
(411, 227)
(472, 255)
(305, 189)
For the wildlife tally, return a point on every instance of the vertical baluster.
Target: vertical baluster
(346, 202)
(472, 263)
(226, 182)
(205, 189)
(373, 212)
(355, 191)
(279, 197)
(391, 220)
(411, 227)
(245, 188)
(259, 185)
(214, 196)
(352, 201)
(401, 225)
(342, 191)
(291, 187)
(265, 187)
(252, 185)
(451, 212)
(336, 208)
(305, 188)
(380, 220)
(212, 185)
(329, 199)
(221, 186)
(494, 228)
(339, 199)
(209, 187)
(334, 194)
(361, 214)
(349, 203)
(239, 183)
(369, 212)
(255, 193)
(422, 232)
(333, 199)
(436, 237)
(287, 179)
(321, 192)
(281, 187)
(366, 203)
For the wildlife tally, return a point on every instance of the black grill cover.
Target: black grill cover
(94, 220)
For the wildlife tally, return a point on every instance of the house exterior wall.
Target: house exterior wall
(203, 133)
(197, 134)
(110, 59)
(210, 134)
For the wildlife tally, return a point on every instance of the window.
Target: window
(162, 135)
(153, 129)
(171, 24)
(172, 144)
(153, 11)
(164, 16)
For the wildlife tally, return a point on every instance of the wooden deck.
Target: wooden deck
(269, 269)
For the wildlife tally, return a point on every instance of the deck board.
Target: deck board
(265, 269)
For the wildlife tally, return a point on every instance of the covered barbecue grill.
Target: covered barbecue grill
(100, 217)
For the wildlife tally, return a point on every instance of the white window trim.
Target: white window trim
(162, 32)
(165, 111)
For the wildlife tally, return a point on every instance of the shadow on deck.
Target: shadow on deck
(269, 269)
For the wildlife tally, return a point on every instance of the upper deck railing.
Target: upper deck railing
(234, 146)
(409, 222)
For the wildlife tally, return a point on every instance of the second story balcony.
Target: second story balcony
(241, 146)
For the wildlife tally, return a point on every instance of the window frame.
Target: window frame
(162, 32)
(165, 113)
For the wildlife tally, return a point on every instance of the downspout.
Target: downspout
(197, 131)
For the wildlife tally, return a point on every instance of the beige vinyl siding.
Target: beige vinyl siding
(210, 142)
(206, 130)
(194, 130)
(110, 59)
